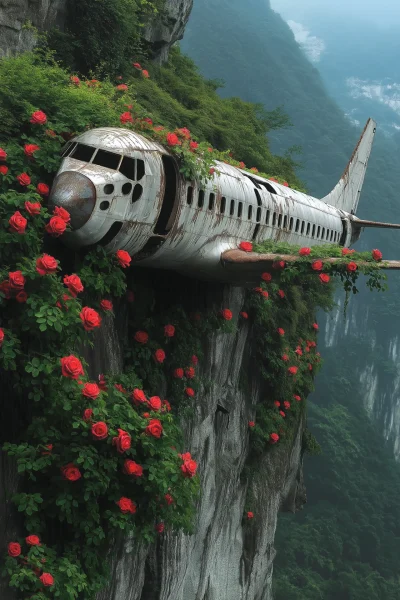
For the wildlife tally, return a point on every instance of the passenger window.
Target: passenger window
(223, 204)
(250, 212)
(267, 217)
(279, 220)
(313, 231)
(128, 167)
(107, 159)
(291, 224)
(189, 197)
(232, 209)
(285, 222)
(200, 199)
(297, 225)
(331, 235)
(274, 219)
(318, 230)
(308, 228)
(240, 209)
(211, 201)
(323, 233)
(302, 227)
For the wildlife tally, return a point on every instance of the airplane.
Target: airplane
(124, 191)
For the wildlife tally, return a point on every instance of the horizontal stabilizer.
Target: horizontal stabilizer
(346, 194)
(360, 223)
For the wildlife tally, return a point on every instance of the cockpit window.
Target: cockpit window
(67, 148)
(83, 152)
(128, 167)
(140, 169)
(107, 159)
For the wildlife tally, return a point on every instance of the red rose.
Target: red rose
(159, 355)
(376, 255)
(264, 294)
(73, 283)
(130, 296)
(160, 527)
(90, 318)
(189, 467)
(47, 579)
(120, 388)
(24, 179)
(126, 117)
(126, 505)
(102, 383)
(146, 415)
(149, 121)
(14, 549)
(50, 133)
(29, 149)
(38, 117)
(137, 66)
(282, 413)
(317, 265)
(281, 331)
(132, 468)
(154, 428)
(304, 251)
(71, 367)
(17, 223)
(173, 140)
(285, 357)
(145, 74)
(71, 472)
(3, 170)
(254, 169)
(292, 370)
(194, 359)
(106, 305)
(124, 259)
(277, 403)
(279, 264)
(184, 132)
(251, 424)
(193, 145)
(141, 337)
(297, 398)
(61, 213)
(315, 326)
(190, 372)
(138, 396)
(32, 540)
(3, 154)
(226, 314)
(75, 80)
(211, 171)
(99, 430)
(189, 392)
(178, 373)
(169, 499)
(286, 404)
(246, 246)
(324, 278)
(56, 226)
(21, 297)
(244, 314)
(250, 515)
(46, 264)
(122, 442)
(346, 251)
(169, 331)
(273, 438)
(122, 87)
(155, 403)
(16, 280)
(42, 189)
(87, 414)
(33, 208)
(299, 351)
(351, 266)
(166, 406)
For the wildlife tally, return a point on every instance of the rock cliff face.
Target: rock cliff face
(161, 33)
(228, 557)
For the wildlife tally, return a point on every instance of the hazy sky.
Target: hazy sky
(381, 12)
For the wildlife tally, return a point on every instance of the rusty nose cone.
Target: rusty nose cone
(76, 193)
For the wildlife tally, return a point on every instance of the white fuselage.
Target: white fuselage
(142, 204)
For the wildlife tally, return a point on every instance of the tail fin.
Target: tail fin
(346, 194)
